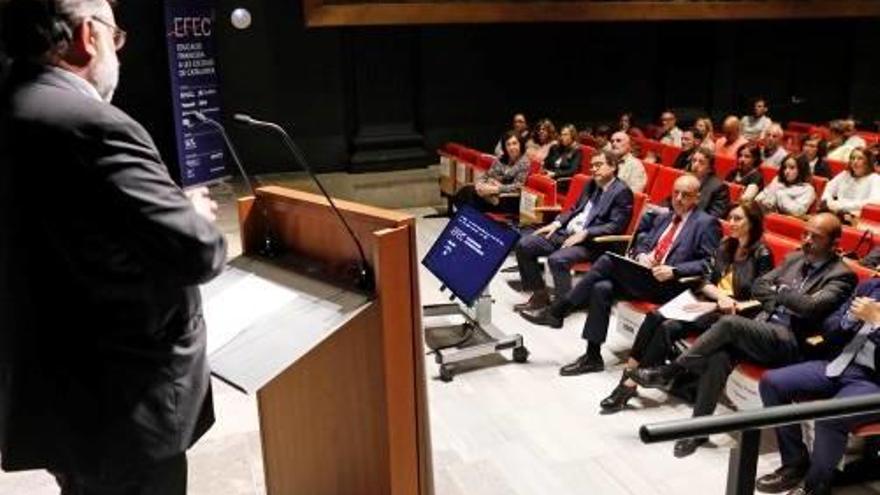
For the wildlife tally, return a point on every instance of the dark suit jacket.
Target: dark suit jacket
(563, 162)
(694, 247)
(759, 262)
(610, 216)
(106, 365)
(714, 197)
(837, 336)
(824, 292)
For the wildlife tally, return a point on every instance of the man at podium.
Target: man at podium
(103, 375)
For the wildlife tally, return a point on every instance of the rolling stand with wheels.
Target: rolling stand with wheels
(479, 336)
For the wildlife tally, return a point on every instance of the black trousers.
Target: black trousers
(602, 285)
(559, 259)
(657, 335)
(166, 477)
(735, 338)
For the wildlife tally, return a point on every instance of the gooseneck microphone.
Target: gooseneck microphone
(270, 244)
(365, 274)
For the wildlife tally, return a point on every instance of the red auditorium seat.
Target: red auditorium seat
(539, 191)
(484, 161)
(780, 246)
(736, 191)
(821, 131)
(724, 164)
(837, 167)
(857, 241)
(819, 184)
(669, 155)
(650, 175)
(578, 182)
(784, 225)
(801, 127)
(769, 172)
(871, 212)
(646, 145)
(661, 188)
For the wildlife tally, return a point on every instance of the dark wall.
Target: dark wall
(366, 98)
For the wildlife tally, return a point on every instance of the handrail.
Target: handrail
(759, 419)
(747, 425)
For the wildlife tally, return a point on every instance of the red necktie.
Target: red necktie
(666, 241)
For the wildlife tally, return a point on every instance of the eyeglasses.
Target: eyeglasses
(119, 34)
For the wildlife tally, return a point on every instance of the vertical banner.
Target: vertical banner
(189, 28)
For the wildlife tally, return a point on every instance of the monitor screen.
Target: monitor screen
(468, 253)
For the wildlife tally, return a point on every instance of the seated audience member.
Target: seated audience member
(732, 140)
(714, 195)
(541, 141)
(806, 287)
(704, 125)
(853, 140)
(813, 151)
(850, 190)
(564, 158)
(853, 372)
(791, 192)
(506, 175)
(677, 244)
(521, 126)
(773, 152)
(756, 125)
(669, 132)
(838, 149)
(632, 172)
(739, 260)
(604, 208)
(627, 124)
(747, 172)
(691, 139)
(602, 136)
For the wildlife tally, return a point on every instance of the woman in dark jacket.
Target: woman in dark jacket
(740, 259)
(564, 158)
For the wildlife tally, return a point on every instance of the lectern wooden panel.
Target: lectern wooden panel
(350, 417)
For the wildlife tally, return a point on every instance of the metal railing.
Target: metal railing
(743, 462)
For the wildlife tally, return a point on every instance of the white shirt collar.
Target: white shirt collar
(78, 82)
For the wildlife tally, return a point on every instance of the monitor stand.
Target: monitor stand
(479, 336)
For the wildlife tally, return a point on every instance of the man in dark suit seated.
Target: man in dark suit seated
(103, 375)
(604, 208)
(678, 244)
(807, 287)
(854, 327)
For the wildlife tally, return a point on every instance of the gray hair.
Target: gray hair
(39, 29)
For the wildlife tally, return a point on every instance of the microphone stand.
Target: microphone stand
(364, 279)
(270, 247)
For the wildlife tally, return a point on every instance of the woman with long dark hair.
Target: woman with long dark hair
(740, 259)
(747, 172)
(506, 175)
(791, 192)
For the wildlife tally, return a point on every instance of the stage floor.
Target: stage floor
(498, 428)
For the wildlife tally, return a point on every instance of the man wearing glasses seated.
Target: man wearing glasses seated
(676, 244)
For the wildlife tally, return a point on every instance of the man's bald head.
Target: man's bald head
(685, 194)
(731, 126)
(821, 235)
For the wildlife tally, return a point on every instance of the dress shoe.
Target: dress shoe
(618, 398)
(582, 365)
(539, 300)
(656, 377)
(542, 317)
(688, 446)
(516, 285)
(784, 478)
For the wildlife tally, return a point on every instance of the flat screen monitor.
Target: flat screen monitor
(469, 252)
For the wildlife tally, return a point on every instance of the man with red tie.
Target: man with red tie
(676, 244)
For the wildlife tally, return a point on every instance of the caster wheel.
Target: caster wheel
(520, 354)
(445, 374)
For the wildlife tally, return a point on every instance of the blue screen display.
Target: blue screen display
(468, 253)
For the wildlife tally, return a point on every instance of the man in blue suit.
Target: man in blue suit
(678, 244)
(604, 208)
(853, 372)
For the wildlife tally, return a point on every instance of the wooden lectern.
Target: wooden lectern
(349, 417)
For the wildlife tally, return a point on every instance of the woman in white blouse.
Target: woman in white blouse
(791, 192)
(853, 188)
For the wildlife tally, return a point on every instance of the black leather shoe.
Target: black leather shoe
(542, 317)
(784, 478)
(582, 365)
(617, 400)
(539, 300)
(688, 446)
(656, 377)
